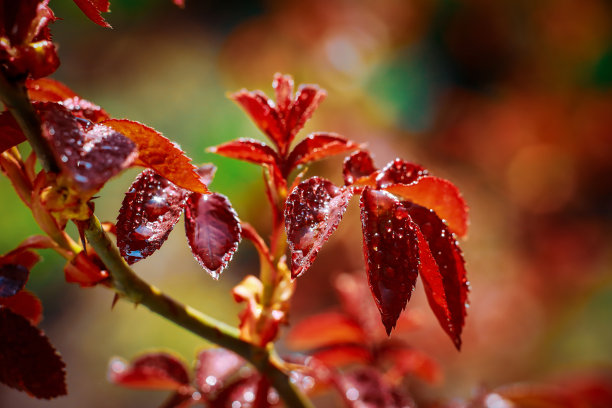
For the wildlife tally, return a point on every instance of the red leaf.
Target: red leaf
(89, 159)
(318, 146)
(158, 371)
(28, 362)
(13, 278)
(283, 88)
(406, 360)
(214, 367)
(48, 90)
(263, 113)
(206, 173)
(84, 109)
(439, 195)
(399, 172)
(160, 154)
(344, 355)
(313, 211)
(357, 167)
(323, 330)
(26, 304)
(84, 271)
(307, 99)
(93, 10)
(213, 230)
(390, 247)
(10, 132)
(150, 209)
(365, 388)
(442, 271)
(252, 391)
(249, 150)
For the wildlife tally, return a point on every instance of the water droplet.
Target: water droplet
(249, 396)
(211, 380)
(352, 394)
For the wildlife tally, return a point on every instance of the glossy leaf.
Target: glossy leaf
(89, 159)
(26, 304)
(157, 371)
(84, 109)
(283, 89)
(249, 150)
(214, 367)
(265, 116)
(160, 154)
(213, 231)
(444, 280)
(307, 100)
(439, 195)
(13, 278)
(357, 167)
(248, 392)
(48, 90)
(93, 10)
(318, 146)
(150, 209)
(10, 132)
(28, 362)
(391, 251)
(365, 388)
(399, 172)
(313, 211)
(323, 330)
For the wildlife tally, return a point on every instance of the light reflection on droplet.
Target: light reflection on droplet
(236, 404)
(249, 396)
(211, 380)
(352, 394)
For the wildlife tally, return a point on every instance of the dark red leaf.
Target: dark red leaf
(358, 166)
(444, 279)
(21, 255)
(439, 195)
(213, 230)
(206, 173)
(159, 371)
(318, 146)
(93, 10)
(150, 209)
(365, 388)
(313, 211)
(48, 90)
(283, 88)
(160, 154)
(182, 398)
(10, 132)
(84, 109)
(26, 304)
(84, 271)
(307, 99)
(249, 150)
(13, 278)
(323, 330)
(28, 362)
(214, 367)
(399, 172)
(250, 392)
(263, 113)
(89, 159)
(391, 251)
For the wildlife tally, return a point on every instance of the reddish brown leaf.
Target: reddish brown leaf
(26, 304)
(160, 154)
(13, 278)
(307, 99)
(28, 362)
(263, 114)
(10, 132)
(323, 330)
(250, 392)
(406, 360)
(206, 173)
(318, 146)
(249, 150)
(89, 159)
(399, 172)
(84, 109)
(150, 209)
(283, 88)
(439, 195)
(158, 371)
(390, 247)
(344, 355)
(93, 10)
(365, 388)
(48, 90)
(213, 230)
(313, 211)
(444, 280)
(21, 255)
(357, 167)
(214, 367)
(84, 271)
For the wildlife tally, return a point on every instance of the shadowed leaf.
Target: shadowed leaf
(313, 211)
(10, 132)
(160, 154)
(93, 10)
(357, 167)
(150, 209)
(406, 360)
(365, 388)
(213, 230)
(28, 362)
(318, 146)
(26, 304)
(157, 371)
(13, 278)
(214, 367)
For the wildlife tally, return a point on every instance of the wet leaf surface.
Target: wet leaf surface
(263, 113)
(307, 100)
(48, 90)
(158, 371)
(318, 146)
(357, 166)
(93, 10)
(399, 172)
(365, 388)
(214, 367)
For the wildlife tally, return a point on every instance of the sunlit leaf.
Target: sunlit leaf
(150, 209)
(93, 10)
(213, 231)
(249, 150)
(391, 250)
(26, 304)
(357, 167)
(399, 172)
(158, 371)
(307, 100)
(325, 329)
(84, 271)
(48, 90)
(84, 109)
(28, 362)
(313, 211)
(283, 89)
(263, 114)
(318, 146)
(160, 154)
(214, 367)
(439, 195)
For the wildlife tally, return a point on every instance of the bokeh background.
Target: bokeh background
(510, 99)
